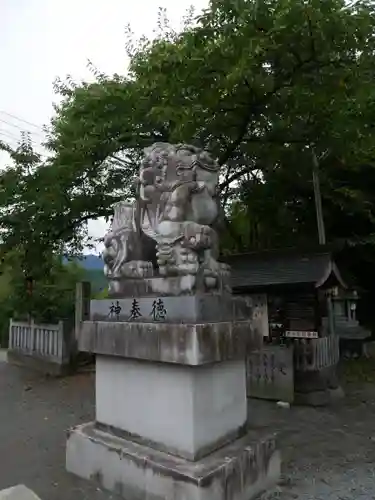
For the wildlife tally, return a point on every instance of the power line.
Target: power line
(15, 146)
(11, 136)
(5, 133)
(21, 128)
(17, 138)
(21, 120)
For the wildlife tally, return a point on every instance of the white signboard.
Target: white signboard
(301, 334)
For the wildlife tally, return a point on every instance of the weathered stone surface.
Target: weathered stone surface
(318, 387)
(182, 410)
(19, 492)
(171, 286)
(198, 308)
(316, 380)
(270, 373)
(168, 232)
(187, 344)
(240, 470)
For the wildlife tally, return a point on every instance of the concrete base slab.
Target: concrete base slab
(19, 492)
(238, 471)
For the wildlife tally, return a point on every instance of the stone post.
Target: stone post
(82, 303)
(316, 382)
(32, 335)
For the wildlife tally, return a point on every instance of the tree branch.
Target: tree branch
(286, 81)
(104, 212)
(232, 178)
(275, 140)
(120, 160)
(312, 41)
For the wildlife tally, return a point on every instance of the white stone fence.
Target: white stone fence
(45, 346)
(316, 354)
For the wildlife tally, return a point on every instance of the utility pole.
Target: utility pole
(318, 199)
(321, 229)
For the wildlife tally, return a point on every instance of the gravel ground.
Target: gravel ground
(327, 453)
(34, 416)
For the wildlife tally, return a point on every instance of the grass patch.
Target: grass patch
(358, 370)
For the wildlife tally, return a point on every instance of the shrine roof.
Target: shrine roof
(284, 267)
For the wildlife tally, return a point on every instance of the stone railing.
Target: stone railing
(316, 354)
(45, 346)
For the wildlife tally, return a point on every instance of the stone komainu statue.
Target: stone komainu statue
(166, 236)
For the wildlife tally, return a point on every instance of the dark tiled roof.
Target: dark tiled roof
(278, 268)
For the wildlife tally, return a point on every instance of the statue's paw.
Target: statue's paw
(145, 269)
(137, 269)
(224, 267)
(109, 240)
(109, 254)
(225, 271)
(212, 267)
(210, 282)
(107, 271)
(188, 268)
(187, 261)
(185, 255)
(202, 239)
(197, 236)
(216, 274)
(164, 258)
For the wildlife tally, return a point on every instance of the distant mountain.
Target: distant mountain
(89, 262)
(93, 271)
(92, 261)
(97, 279)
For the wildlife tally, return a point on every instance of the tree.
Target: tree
(21, 202)
(47, 299)
(258, 82)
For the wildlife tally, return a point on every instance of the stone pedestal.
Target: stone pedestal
(171, 408)
(19, 492)
(241, 470)
(317, 388)
(316, 382)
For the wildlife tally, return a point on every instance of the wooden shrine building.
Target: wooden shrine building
(292, 290)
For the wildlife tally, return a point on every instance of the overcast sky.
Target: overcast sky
(44, 39)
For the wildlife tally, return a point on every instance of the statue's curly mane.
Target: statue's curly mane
(159, 153)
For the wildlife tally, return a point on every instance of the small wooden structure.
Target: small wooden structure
(292, 303)
(296, 285)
